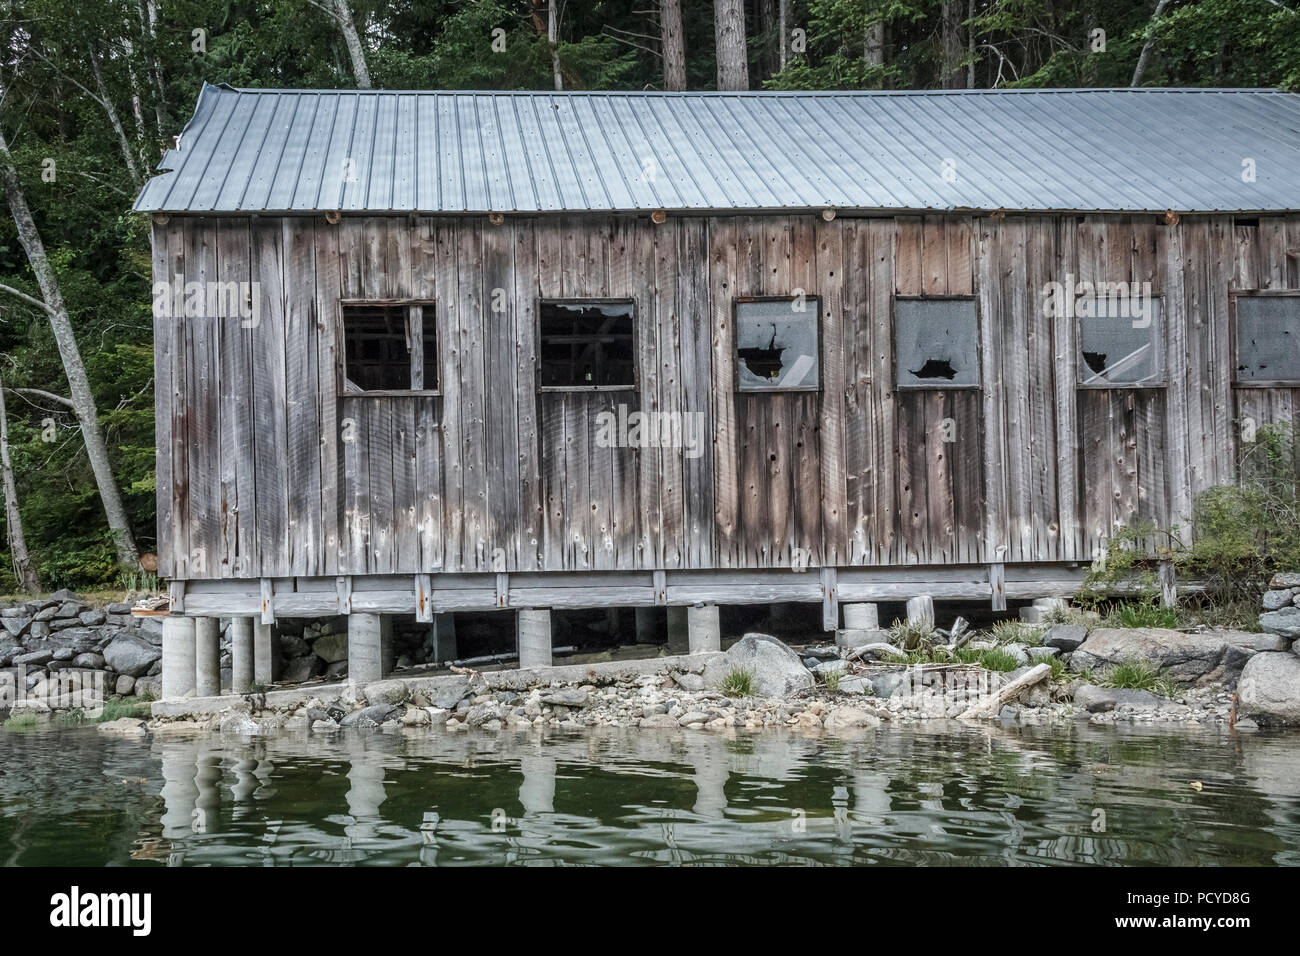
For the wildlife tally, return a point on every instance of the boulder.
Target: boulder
(299, 669)
(34, 658)
(848, 718)
(70, 609)
(1098, 700)
(125, 686)
(92, 618)
(1065, 637)
(826, 668)
(131, 655)
(1037, 654)
(387, 692)
(1190, 658)
(331, 648)
(1275, 600)
(1280, 581)
(123, 727)
(89, 659)
(777, 670)
(1269, 690)
(565, 697)
(15, 624)
(1284, 622)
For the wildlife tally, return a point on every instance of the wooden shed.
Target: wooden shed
(439, 351)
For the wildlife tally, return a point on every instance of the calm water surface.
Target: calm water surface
(936, 794)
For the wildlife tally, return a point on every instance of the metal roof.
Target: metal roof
(282, 151)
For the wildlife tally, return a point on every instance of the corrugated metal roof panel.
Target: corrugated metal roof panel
(1142, 150)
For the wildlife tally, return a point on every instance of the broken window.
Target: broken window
(586, 344)
(389, 347)
(936, 343)
(1268, 338)
(776, 344)
(1120, 341)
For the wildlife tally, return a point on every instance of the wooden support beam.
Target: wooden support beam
(176, 592)
(661, 587)
(424, 598)
(503, 590)
(830, 600)
(998, 585)
(268, 602)
(343, 594)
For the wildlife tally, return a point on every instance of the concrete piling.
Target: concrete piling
(207, 656)
(534, 638)
(178, 671)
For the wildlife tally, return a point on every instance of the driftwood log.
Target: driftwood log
(992, 704)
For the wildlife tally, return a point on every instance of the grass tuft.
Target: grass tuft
(739, 682)
(1139, 675)
(1017, 632)
(1144, 614)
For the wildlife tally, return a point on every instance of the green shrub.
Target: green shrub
(832, 680)
(993, 659)
(739, 682)
(1017, 632)
(1142, 614)
(1139, 675)
(912, 635)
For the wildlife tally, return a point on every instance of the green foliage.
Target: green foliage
(832, 680)
(1139, 675)
(1142, 614)
(1017, 632)
(1060, 673)
(738, 682)
(22, 722)
(993, 659)
(911, 635)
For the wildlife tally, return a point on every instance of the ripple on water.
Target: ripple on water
(934, 794)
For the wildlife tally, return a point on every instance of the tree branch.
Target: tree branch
(30, 300)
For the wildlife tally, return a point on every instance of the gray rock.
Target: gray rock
(1037, 654)
(1280, 581)
(857, 637)
(65, 653)
(694, 717)
(150, 687)
(331, 648)
(481, 714)
(92, 618)
(447, 694)
(15, 625)
(387, 692)
(61, 623)
(291, 645)
(691, 682)
(118, 608)
(125, 686)
(63, 594)
(299, 669)
(856, 685)
(46, 614)
(38, 658)
(1202, 657)
(1097, 700)
(131, 655)
(823, 652)
(38, 630)
(1009, 713)
(1275, 600)
(1284, 622)
(1065, 637)
(884, 685)
(565, 697)
(827, 668)
(371, 716)
(1269, 689)
(89, 659)
(777, 670)
(69, 609)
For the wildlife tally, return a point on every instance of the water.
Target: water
(934, 794)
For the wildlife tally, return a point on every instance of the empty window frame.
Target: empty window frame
(936, 342)
(1267, 338)
(586, 344)
(1120, 341)
(389, 347)
(778, 344)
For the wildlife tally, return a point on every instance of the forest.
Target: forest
(92, 92)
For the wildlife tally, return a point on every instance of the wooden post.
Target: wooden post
(998, 585)
(1168, 583)
(920, 609)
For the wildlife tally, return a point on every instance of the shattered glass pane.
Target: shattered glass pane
(1268, 338)
(1120, 346)
(936, 343)
(776, 344)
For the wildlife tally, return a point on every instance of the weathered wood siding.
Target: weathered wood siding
(264, 470)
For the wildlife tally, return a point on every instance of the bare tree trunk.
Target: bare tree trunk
(951, 75)
(348, 27)
(79, 385)
(729, 40)
(28, 579)
(137, 108)
(783, 17)
(873, 52)
(673, 39)
(1148, 48)
(107, 102)
(970, 45)
(553, 38)
(149, 24)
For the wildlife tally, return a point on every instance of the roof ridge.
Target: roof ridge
(668, 94)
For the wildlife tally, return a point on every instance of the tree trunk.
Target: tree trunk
(951, 75)
(729, 40)
(79, 385)
(783, 24)
(874, 48)
(148, 25)
(674, 44)
(1148, 48)
(107, 102)
(343, 14)
(553, 38)
(970, 45)
(28, 579)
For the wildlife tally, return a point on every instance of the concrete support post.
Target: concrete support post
(207, 656)
(678, 639)
(648, 625)
(241, 655)
(366, 639)
(444, 638)
(704, 630)
(177, 657)
(861, 617)
(263, 654)
(535, 638)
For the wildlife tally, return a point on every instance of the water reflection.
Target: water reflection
(936, 794)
